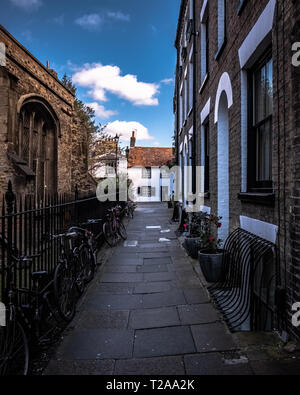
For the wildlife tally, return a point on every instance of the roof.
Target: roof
(149, 156)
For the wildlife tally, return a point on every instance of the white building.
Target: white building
(150, 183)
(109, 165)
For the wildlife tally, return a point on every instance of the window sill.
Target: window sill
(203, 83)
(220, 50)
(191, 110)
(264, 199)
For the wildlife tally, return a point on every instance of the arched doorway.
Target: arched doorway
(36, 144)
(224, 101)
(223, 166)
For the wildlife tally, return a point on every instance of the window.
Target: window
(147, 191)
(181, 115)
(191, 83)
(206, 157)
(186, 98)
(260, 131)
(241, 6)
(146, 172)
(204, 50)
(221, 26)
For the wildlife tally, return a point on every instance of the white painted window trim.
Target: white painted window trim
(203, 116)
(205, 111)
(203, 11)
(224, 85)
(261, 29)
(221, 22)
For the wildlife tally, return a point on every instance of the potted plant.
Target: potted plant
(211, 255)
(193, 240)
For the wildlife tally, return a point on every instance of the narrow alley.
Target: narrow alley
(148, 314)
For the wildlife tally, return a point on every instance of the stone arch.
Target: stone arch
(223, 165)
(224, 86)
(34, 98)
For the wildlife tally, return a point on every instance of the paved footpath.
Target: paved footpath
(148, 314)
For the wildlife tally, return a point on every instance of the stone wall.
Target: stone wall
(22, 78)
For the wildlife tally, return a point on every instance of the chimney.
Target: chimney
(132, 140)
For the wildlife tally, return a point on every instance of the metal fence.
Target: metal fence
(26, 226)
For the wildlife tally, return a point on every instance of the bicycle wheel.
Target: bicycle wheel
(64, 292)
(109, 235)
(122, 230)
(14, 350)
(87, 258)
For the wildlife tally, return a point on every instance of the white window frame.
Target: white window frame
(221, 23)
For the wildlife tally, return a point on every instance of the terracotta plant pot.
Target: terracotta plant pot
(211, 266)
(192, 246)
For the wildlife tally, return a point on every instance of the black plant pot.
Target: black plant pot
(211, 266)
(192, 246)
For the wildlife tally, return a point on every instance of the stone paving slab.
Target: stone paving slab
(158, 261)
(97, 344)
(170, 298)
(152, 269)
(212, 337)
(121, 269)
(171, 366)
(116, 302)
(196, 296)
(115, 288)
(163, 342)
(213, 364)
(80, 368)
(103, 319)
(197, 314)
(154, 318)
(122, 277)
(153, 287)
(168, 276)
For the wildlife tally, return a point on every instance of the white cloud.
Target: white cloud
(119, 16)
(101, 79)
(167, 81)
(100, 111)
(90, 21)
(125, 129)
(156, 144)
(27, 5)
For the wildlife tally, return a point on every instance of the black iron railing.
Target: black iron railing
(27, 224)
(246, 295)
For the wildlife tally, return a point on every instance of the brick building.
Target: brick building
(43, 145)
(237, 115)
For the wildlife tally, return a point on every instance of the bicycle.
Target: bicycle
(30, 315)
(86, 253)
(129, 209)
(113, 228)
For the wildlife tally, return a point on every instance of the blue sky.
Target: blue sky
(119, 52)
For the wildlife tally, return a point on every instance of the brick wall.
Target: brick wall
(286, 121)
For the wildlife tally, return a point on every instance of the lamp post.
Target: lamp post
(117, 139)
